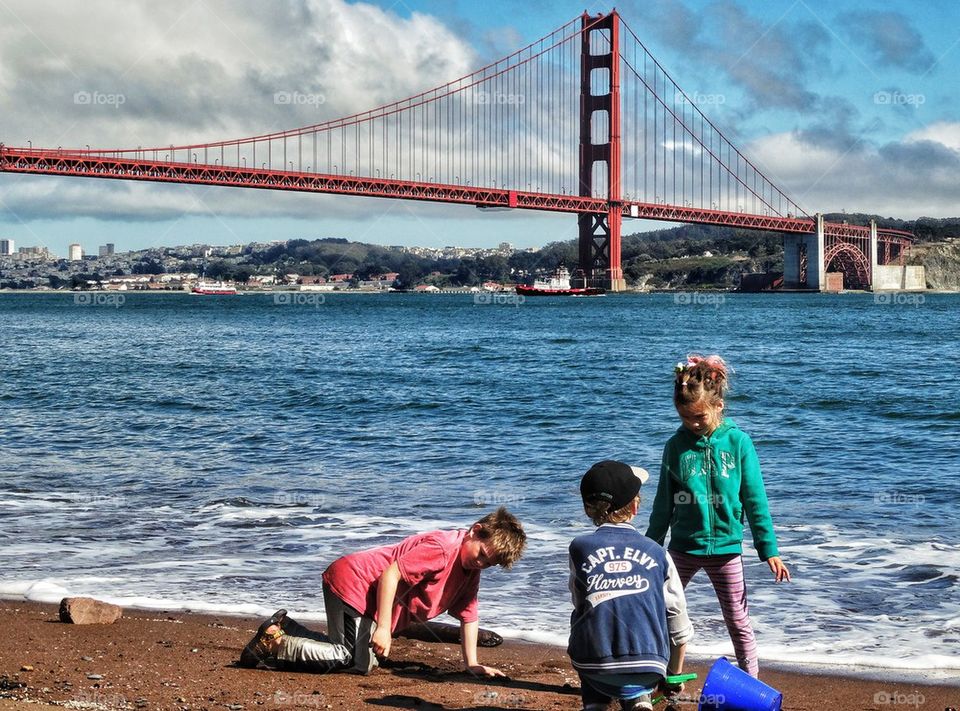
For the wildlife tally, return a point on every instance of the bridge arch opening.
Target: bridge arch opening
(851, 262)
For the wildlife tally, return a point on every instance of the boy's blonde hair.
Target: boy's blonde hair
(506, 535)
(599, 512)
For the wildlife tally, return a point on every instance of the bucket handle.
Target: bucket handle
(672, 680)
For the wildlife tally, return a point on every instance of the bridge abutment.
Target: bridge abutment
(898, 276)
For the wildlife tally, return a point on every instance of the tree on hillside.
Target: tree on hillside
(57, 282)
(407, 276)
(466, 273)
(217, 270)
(370, 270)
(147, 265)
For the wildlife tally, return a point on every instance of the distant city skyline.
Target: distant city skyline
(77, 252)
(846, 106)
(442, 232)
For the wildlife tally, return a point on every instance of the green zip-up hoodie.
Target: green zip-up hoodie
(707, 486)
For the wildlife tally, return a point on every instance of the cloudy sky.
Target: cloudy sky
(846, 105)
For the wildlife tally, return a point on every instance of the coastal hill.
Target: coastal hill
(686, 256)
(683, 256)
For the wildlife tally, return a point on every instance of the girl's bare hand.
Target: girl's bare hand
(779, 570)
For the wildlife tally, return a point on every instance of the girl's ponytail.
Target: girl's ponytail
(700, 379)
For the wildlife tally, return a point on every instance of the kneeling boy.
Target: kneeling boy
(372, 594)
(629, 626)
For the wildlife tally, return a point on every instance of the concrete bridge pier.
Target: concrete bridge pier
(803, 266)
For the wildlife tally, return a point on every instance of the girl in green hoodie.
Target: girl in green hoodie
(709, 482)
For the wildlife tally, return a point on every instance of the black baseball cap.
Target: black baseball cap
(612, 481)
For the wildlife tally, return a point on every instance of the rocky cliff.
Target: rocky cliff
(941, 261)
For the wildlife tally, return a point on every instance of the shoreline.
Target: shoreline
(153, 659)
(466, 290)
(878, 670)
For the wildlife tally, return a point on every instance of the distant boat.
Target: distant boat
(214, 288)
(558, 285)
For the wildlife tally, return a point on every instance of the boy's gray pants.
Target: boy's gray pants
(345, 647)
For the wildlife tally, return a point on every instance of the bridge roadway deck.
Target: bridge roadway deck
(93, 165)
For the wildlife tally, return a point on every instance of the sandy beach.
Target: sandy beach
(175, 660)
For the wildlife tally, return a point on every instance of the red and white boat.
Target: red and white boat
(558, 285)
(214, 288)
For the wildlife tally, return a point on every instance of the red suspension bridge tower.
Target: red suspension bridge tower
(599, 232)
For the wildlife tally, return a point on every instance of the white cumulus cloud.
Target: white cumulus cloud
(909, 178)
(943, 132)
(145, 74)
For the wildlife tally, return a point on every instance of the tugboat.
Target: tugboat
(558, 285)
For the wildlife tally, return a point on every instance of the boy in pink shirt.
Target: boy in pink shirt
(372, 594)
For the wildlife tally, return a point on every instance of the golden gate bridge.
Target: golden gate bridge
(584, 120)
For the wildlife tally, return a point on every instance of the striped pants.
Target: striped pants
(726, 575)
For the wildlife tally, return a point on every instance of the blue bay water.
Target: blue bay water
(217, 453)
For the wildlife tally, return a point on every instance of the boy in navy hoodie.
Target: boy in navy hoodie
(629, 626)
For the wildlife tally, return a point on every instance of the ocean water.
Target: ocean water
(217, 453)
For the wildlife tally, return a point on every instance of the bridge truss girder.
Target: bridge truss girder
(78, 163)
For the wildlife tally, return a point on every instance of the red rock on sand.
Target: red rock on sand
(87, 611)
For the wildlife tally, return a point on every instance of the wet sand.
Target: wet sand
(175, 660)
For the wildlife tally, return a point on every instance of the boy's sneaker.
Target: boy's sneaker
(641, 703)
(257, 652)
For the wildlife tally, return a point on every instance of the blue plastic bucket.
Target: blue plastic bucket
(729, 688)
